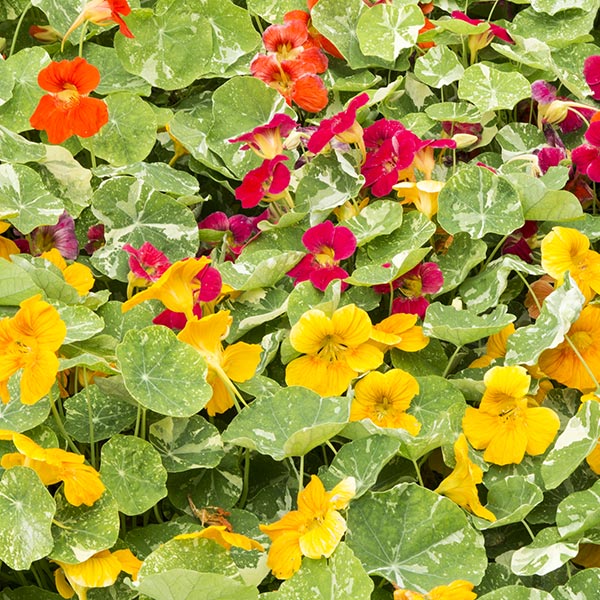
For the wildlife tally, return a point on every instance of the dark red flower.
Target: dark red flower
(265, 182)
(147, 263)
(591, 72)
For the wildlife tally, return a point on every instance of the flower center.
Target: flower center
(326, 257)
(382, 407)
(69, 97)
(412, 287)
(581, 340)
(331, 349)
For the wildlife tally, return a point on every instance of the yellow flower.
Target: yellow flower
(457, 590)
(460, 485)
(314, 530)
(237, 362)
(76, 275)
(495, 347)
(28, 342)
(82, 484)
(565, 249)
(336, 349)
(98, 571)
(588, 556)
(399, 331)
(564, 365)
(223, 537)
(504, 425)
(7, 247)
(423, 194)
(384, 399)
(175, 288)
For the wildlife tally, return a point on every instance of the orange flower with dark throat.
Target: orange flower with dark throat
(67, 110)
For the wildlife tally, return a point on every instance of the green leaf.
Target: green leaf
(273, 10)
(133, 473)
(16, 149)
(552, 7)
(583, 584)
(545, 554)
(461, 327)
(386, 29)
(16, 284)
(81, 531)
(24, 200)
(19, 417)
(129, 134)
(461, 112)
(477, 201)
(516, 592)
(290, 423)
(489, 88)
(185, 584)
(438, 67)
(559, 311)
(362, 459)
(519, 138)
(568, 65)
(578, 513)
(186, 443)
(25, 507)
(104, 413)
(572, 446)
(434, 545)
(399, 264)
(11, 9)
(377, 219)
(429, 361)
(527, 51)
(134, 213)
(81, 322)
(24, 67)
(511, 499)
(339, 578)
(155, 363)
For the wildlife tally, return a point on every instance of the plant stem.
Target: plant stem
(59, 424)
(451, 362)
(244, 496)
(82, 38)
(18, 28)
(525, 524)
(418, 472)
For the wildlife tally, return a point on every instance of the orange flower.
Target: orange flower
(223, 537)
(457, 590)
(7, 247)
(76, 275)
(495, 348)
(28, 342)
(67, 110)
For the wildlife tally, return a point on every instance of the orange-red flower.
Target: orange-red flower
(67, 110)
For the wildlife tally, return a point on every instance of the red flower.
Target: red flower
(591, 72)
(67, 110)
(328, 245)
(237, 230)
(266, 140)
(265, 182)
(494, 30)
(425, 278)
(147, 263)
(587, 156)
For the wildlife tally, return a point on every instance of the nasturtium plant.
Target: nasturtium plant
(299, 299)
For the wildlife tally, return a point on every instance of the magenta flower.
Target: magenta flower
(328, 245)
(266, 182)
(425, 278)
(549, 156)
(520, 242)
(267, 140)
(587, 156)
(60, 236)
(477, 41)
(390, 148)
(146, 264)
(95, 237)
(342, 126)
(591, 72)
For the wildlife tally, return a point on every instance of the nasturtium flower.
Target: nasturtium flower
(587, 156)
(28, 343)
(495, 347)
(67, 110)
(102, 12)
(399, 331)
(460, 485)
(328, 244)
(267, 182)
(384, 399)
(267, 140)
(76, 275)
(181, 286)
(565, 249)
(46, 34)
(237, 362)
(60, 236)
(423, 279)
(588, 555)
(504, 425)
(423, 194)
(314, 530)
(591, 72)
(336, 350)
(478, 41)
(7, 247)
(99, 571)
(146, 265)
(457, 590)
(222, 536)
(565, 362)
(82, 484)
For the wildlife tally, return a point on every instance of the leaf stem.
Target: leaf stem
(418, 472)
(18, 28)
(82, 38)
(244, 496)
(451, 362)
(59, 424)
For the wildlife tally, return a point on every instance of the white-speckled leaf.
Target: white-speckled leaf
(581, 586)
(26, 511)
(527, 51)
(516, 592)
(339, 578)
(14, 148)
(24, 200)
(185, 444)
(16, 284)
(414, 538)
(572, 446)
(489, 88)
(552, 7)
(568, 65)
(559, 311)
(519, 138)
(438, 67)
(132, 472)
(274, 10)
(379, 218)
(462, 327)
(290, 423)
(462, 112)
(477, 201)
(545, 554)
(81, 531)
(81, 322)
(19, 417)
(130, 133)
(400, 263)
(134, 213)
(162, 373)
(579, 512)
(386, 29)
(11, 9)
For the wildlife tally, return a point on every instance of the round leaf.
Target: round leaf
(439, 67)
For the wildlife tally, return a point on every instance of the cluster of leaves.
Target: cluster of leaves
(132, 394)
